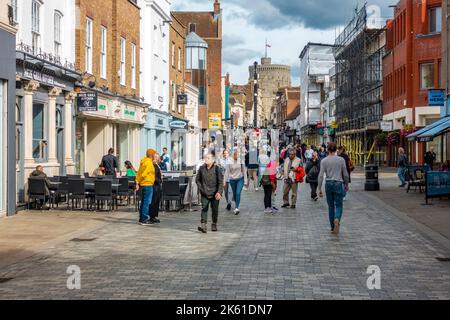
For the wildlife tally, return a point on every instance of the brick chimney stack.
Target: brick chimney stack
(216, 7)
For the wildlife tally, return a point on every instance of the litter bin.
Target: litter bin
(372, 183)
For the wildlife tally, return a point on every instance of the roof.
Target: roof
(310, 44)
(433, 130)
(194, 40)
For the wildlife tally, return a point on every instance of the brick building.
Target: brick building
(287, 101)
(107, 51)
(208, 27)
(411, 67)
(445, 66)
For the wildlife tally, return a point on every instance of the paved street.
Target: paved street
(254, 256)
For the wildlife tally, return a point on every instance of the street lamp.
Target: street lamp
(255, 96)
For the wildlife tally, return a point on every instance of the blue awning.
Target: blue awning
(413, 136)
(438, 130)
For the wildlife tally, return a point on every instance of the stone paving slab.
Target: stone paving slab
(254, 256)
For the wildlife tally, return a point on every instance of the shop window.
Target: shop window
(426, 76)
(39, 141)
(435, 20)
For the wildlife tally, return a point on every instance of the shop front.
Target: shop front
(113, 122)
(179, 129)
(43, 116)
(156, 132)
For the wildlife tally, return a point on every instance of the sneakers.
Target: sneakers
(402, 185)
(256, 189)
(293, 207)
(203, 228)
(316, 198)
(285, 205)
(214, 227)
(146, 223)
(275, 209)
(229, 206)
(237, 211)
(336, 226)
(268, 210)
(155, 220)
(344, 199)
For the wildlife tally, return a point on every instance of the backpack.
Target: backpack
(265, 180)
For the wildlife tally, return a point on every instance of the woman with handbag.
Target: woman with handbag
(236, 174)
(312, 175)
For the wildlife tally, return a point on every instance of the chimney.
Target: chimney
(216, 7)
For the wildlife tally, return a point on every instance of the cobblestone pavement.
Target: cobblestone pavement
(254, 256)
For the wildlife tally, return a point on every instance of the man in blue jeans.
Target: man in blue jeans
(145, 179)
(336, 185)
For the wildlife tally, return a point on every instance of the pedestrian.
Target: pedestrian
(309, 153)
(109, 162)
(39, 173)
(210, 184)
(402, 165)
(312, 175)
(157, 191)
(430, 158)
(269, 184)
(335, 170)
(99, 171)
(131, 171)
(322, 153)
(145, 179)
(252, 165)
(342, 152)
(223, 162)
(165, 157)
(291, 167)
(236, 173)
(445, 166)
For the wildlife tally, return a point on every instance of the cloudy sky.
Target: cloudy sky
(288, 25)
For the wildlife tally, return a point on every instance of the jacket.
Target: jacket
(40, 175)
(209, 182)
(294, 163)
(146, 174)
(313, 176)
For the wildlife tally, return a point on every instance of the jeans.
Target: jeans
(147, 197)
(268, 196)
(313, 186)
(214, 207)
(401, 175)
(237, 186)
(156, 199)
(335, 193)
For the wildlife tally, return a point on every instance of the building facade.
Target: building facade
(155, 33)
(46, 79)
(194, 134)
(204, 67)
(270, 78)
(411, 67)
(107, 51)
(316, 60)
(7, 108)
(446, 70)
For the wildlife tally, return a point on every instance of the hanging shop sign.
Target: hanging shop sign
(386, 126)
(436, 97)
(87, 102)
(178, 124)
(215, 121)
(182, 99)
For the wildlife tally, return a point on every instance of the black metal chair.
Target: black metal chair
(185, 181)
(171, 192)
(124, 189)
(86, 175)
(37, 190)
(63, 188)
(132, 188)
(73, 176)
(77, 192)
(103, 192)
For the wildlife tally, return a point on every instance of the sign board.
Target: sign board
(215, 121)
(437, 184)
(334, 125)
(178, 124)
(87, 102)
(182, 99)
(386, 126)
(436, 97)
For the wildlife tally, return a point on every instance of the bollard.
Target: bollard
(372, 183)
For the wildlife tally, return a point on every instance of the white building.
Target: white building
(45, 69)
(155, 28)
(194, 134)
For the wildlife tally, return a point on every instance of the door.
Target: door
(19, 152)
(60, 140)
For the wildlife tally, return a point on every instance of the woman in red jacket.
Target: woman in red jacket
(269, 183)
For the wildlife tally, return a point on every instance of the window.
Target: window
(103, 51)
(201, 95)
(122, 61)
(202, 58)
(35, 26)
(435, 20)
(188, 58)
(195, 58)
(89, 45)
(39, 142)
(133, 66)
(176, 100)
(172, 89)
(57, 33)
(14, 5)
(426, 75)
(173, 54)
(179, 58)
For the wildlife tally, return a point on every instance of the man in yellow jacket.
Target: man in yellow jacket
(145, 179)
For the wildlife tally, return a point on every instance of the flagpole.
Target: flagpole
(266, 48)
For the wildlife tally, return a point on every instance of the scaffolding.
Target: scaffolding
(359, 52)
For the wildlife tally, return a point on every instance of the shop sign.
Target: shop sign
(215, 121)
(334, 125)
(102, 107)
(87, 102)
(436, 97)
(42, 78)
(182, 99)
(386, 126)
(129, 113)
(178, 124)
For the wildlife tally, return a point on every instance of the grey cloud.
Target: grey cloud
(239, 56)
(232, 40)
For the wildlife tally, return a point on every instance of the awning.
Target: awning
(436, 131)
(415, 135)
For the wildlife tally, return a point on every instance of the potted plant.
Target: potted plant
(381, 139)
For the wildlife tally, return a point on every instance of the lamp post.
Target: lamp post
(255, 94)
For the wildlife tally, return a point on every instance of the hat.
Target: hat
(151, 153)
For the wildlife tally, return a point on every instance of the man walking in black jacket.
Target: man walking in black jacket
(210, 184)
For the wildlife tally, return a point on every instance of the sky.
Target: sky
(288, 25)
